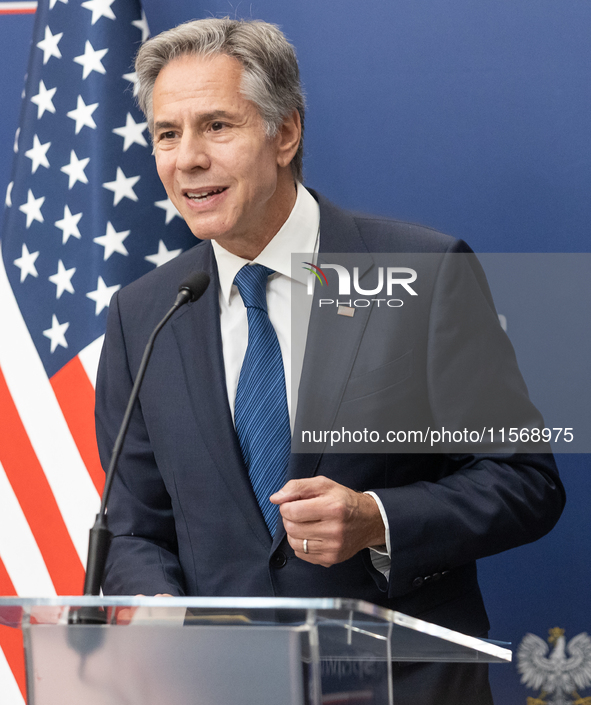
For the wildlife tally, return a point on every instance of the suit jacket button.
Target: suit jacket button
(278, 559)
(417, 582)
(436, 576)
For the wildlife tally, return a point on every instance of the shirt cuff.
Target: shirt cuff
(381, 555)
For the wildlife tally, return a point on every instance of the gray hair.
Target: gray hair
(270, 79)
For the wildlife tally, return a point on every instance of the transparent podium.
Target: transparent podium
(224, 651)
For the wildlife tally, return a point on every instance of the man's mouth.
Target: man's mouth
(201, 196)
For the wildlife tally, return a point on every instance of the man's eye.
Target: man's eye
(166, 136)
(217, 126)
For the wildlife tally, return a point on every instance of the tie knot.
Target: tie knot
(251, 281)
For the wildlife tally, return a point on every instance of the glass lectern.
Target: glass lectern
(224, 651)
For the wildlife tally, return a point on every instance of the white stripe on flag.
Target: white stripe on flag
(11, 695)
(18, 6)
(89, 357)
(40, 413)
(18, 549)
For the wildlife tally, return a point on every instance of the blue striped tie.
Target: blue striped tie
(260, 410)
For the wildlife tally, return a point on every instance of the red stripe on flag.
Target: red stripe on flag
(26, 11)
(6, 587)
(34, 494)
(11, 639)
(75, 395)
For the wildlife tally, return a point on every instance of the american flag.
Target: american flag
(85, 214)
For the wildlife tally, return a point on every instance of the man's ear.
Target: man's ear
(289, 136)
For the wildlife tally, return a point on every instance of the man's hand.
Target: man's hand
(337, 522)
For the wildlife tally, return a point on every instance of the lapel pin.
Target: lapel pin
(346, 311)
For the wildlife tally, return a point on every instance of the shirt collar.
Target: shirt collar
(299, 234)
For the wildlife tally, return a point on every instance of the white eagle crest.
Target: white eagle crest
(557, 676)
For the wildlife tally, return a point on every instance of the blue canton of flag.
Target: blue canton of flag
(86, 213)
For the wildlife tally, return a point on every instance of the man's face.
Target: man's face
(226, 178)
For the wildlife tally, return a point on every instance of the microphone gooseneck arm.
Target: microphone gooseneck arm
(100, 536)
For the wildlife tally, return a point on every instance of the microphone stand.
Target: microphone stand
(100, 536)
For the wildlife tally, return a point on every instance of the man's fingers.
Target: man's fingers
(313, 530)
(298, 544)
(320, 538)
(301, 489)
(304, 511)
(304, 547)
(315, 552)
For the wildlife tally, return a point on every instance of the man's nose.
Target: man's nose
(192, 153)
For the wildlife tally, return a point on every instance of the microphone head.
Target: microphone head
(195, 284)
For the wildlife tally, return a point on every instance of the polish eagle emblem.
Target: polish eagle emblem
(560, 675)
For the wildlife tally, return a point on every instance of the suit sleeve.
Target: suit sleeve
(482, 503)
(143, 555)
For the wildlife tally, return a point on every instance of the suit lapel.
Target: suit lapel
(198, 336)
(332, 342)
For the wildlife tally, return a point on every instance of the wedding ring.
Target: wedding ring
(305, 545)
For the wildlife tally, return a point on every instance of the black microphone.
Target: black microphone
(191, 289)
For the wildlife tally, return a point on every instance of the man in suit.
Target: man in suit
(197, 507)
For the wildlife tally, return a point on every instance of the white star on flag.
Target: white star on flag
(26, 263)
(8, 199)
(57, 333)
(83, 114)
(163, 255)
(132, 78)
(170, 208)
(52, 3)
(43, 100)
(32, 208)
(62, 279)
(49, 45)
(69, 225)
(75, 169)
(91, 60)
(37, 154)
(112, 241)
(143, 25)
(122, 187)
(99, 8)
(132, 132)
(16, 136)
(102, 295)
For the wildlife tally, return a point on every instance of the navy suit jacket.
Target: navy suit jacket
(183, 513)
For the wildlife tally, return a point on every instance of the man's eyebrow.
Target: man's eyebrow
(163, 126)
(214, 115)
(202, 117)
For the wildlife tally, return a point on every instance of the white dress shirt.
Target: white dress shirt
(298, 235)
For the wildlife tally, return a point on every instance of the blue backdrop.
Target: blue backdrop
(469, 117)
